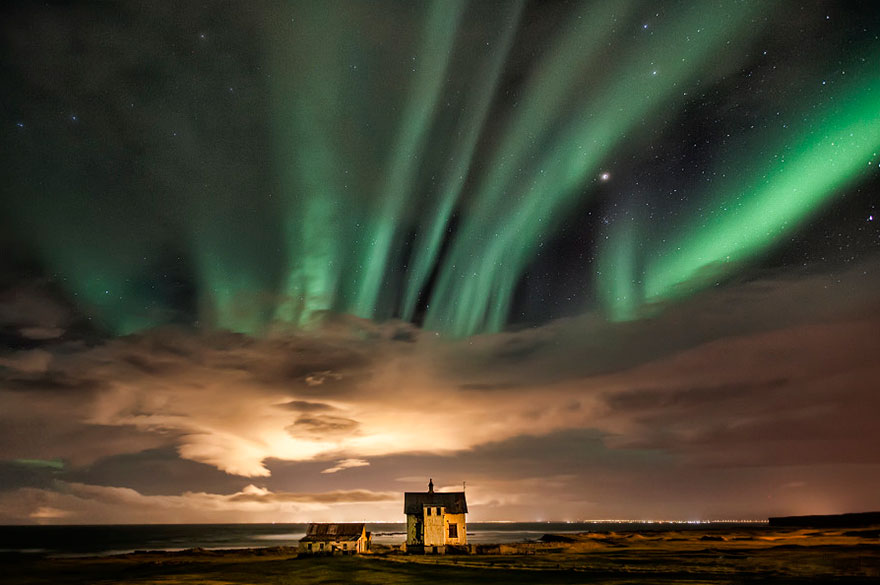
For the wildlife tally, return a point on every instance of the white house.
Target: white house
(434, 520)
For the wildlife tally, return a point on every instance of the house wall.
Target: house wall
(435, 525)
(316, 547)
(413, 534)
(435, 529)
(334, 546)
(461, 523)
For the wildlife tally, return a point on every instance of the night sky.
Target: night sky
(282, 261)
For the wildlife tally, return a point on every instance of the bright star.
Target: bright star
(605, 176)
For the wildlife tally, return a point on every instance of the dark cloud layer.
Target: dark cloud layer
(768, 383)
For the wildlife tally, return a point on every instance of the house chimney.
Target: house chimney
(430, 486)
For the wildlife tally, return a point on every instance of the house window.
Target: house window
(429, 511)
(453, 531)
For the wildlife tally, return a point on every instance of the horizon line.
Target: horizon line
(596, 521)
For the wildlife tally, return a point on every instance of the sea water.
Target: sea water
(63, 541)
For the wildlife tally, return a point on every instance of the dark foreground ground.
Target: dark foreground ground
(742, 556)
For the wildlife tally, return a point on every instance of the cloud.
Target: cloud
(793, 396)
(71, 502)
(35, 361)
(49, 513)
(318, 378)
(346, 464)
(232, 401)
(780, 362)
(33, 312)
(321, 426)
(254, 494)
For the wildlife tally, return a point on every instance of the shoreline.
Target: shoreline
(103, 540)
(582, 541)
(783, 555)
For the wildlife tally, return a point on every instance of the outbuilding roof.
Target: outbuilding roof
(415, 502)
(333, 532)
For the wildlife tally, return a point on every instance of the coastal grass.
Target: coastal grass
(687, 557)
(264, 571)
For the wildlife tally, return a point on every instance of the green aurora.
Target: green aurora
(409, 181)
(768, 197)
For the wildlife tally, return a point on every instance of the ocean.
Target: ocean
(74, 541)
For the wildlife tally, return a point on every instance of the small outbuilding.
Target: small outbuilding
(435, 520)
(351, 538)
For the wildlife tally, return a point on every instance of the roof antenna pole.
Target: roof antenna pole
(463, 486)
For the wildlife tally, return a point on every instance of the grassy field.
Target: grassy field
(797, 556)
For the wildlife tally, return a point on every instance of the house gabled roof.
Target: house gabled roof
(333, 532)
(415, 502)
